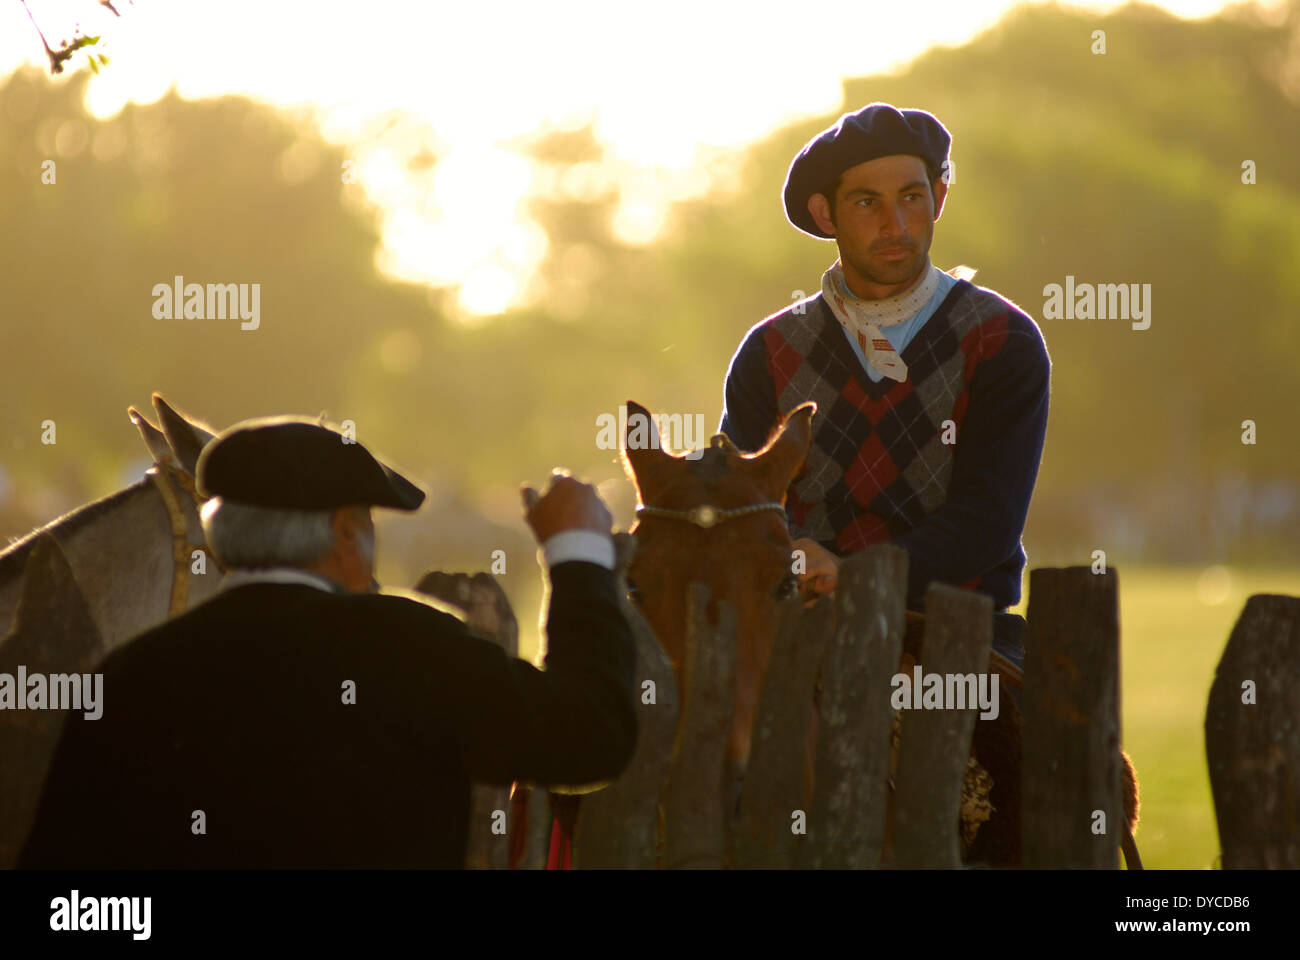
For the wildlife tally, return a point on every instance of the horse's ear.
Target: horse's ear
(775, 466)
(185, 437)
(641, 448)
(154, 438)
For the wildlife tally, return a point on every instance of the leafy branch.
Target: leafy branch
(68, 48)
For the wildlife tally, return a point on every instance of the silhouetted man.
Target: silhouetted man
(299, 720)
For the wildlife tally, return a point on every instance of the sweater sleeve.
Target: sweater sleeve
(995, 465)
(749, 410)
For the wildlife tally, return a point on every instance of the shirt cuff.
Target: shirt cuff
(586, 545)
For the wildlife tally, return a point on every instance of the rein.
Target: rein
(164, 476)
(705, 515)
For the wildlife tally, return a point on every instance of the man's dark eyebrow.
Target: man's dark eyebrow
(863, 191)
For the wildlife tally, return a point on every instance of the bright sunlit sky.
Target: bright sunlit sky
(670, 88)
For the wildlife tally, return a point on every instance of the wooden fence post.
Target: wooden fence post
(847, 823)
(774, 779)
(618, 826)
(696, 820)
(1071, 806)
(537, 828)
(1252, 737)
(934, 745)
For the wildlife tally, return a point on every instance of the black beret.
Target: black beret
(298, 464)
(877, 130)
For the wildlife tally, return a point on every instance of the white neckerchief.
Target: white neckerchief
(864, 318)
(238, 578)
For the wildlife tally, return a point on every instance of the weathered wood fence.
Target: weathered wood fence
(1252, 737)
(671, 809)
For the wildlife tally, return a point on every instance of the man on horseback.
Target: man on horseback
(932, 393)
(299, 719)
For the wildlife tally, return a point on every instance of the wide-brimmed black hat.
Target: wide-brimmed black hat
(298, 464)
(877, 130)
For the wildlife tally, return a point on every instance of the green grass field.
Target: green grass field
(1174, 623)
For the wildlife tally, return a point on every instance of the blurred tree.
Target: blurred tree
(1122, 168)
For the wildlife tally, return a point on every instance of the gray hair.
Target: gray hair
(252, 537)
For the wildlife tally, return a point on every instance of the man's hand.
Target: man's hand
(821, 570)
(566, 505)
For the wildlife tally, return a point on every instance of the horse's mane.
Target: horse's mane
(13, 559)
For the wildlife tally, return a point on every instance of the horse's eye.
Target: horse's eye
(633, 591)
(787, 588)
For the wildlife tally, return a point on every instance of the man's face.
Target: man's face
(354, 549)
(884, 221)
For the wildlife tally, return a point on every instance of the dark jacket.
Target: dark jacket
(236, 709)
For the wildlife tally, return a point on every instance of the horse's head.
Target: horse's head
(716, 518)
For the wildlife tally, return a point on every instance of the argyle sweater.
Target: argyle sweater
(878, 468)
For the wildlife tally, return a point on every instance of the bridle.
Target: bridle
(170, 481)
(710, 462)
(706, 516)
